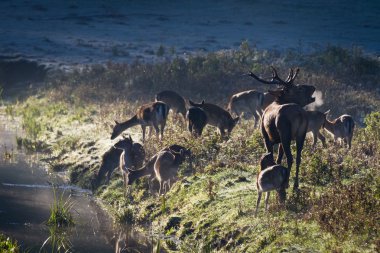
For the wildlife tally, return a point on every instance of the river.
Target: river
(26, 194)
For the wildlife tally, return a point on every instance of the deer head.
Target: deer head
(117, 130)
(287, 92)
(266, 161)
(125, 144)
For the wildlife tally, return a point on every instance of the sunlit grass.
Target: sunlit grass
(60, 211)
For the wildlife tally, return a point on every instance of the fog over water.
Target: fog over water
(73, 32)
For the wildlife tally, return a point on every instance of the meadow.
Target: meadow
(211, 207)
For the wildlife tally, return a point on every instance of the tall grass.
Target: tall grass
(60, 210)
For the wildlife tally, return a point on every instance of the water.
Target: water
(77, 32)
(25, 198)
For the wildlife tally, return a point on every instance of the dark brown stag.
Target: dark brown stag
(285, 120)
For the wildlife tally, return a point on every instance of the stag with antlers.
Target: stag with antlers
(284, 119)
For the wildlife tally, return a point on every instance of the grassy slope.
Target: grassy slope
(214, 201)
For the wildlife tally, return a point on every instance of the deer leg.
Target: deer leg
(157, 130)
(289, 160)
(266, 201)
(314, 139)
(143, 132)
(190, 127)
(256, 116)
(280, 154)
(258, 202)
(322, 138)
(159, 191)
(163, 124)
(299, 143)
(282, 195)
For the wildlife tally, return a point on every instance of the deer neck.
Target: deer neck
(329, 126)
(143, 171)
(134, 121)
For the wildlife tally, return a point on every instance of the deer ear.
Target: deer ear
(129, 136)
(203, 102)
(236, 119)
(327, 112)
(117, 123)
(191, 103)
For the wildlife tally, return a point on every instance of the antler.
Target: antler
(276, 79)
(291, 80)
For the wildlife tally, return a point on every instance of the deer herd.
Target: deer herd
(279, 113)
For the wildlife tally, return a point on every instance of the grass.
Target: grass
(60, 211)
(214, 200)
(7, 245)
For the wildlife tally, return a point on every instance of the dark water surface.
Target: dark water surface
(73, 32)
(25, 199)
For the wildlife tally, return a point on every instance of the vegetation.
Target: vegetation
(7, 245)
(60, 211)
(211, 207)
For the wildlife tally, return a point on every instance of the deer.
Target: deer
(110, 160)
(271, 177)
(151, 114)
(197, 120)
(148, 168)
(316, 123)
(217, 116)
(166, 168)
(249, 101)
(175, 101)
(341, 128)
(285, 119)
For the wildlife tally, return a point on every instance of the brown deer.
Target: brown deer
(166, 168)
(247, 102)
(111, 158)
(148, 168)
(197, 120)
(151, 114)
(175, 101)
(217, 116)
(316, 122)
(126, 159)
(341, 128)
(285, 120)
(271, 177)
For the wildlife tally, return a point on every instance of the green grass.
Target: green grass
(7, 245)
(60, 211)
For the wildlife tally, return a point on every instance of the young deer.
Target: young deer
(197, 120)
(271, 177)
(175, 101)
(316, 122)
(285, 120)
(341, 128)
(151, 114)
(247, 102)
(166, 167)
(148, 168)
(111, 159)
(126, 159)
(217, 116)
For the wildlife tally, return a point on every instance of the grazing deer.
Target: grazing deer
(148, 168)
(166, 167)
(197, 120)
(341, 128)
(250, 101)
(151, 114)
(271, 177)
(174, 101)
(285, 120)
(316, 122)
(217, 116)
(111, 158)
